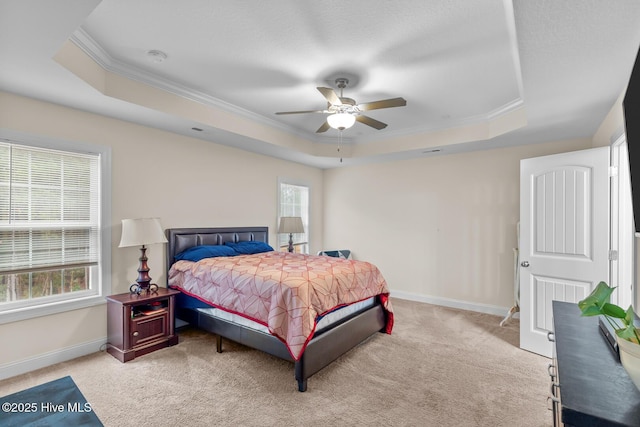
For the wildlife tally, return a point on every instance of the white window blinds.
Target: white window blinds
(49, 209)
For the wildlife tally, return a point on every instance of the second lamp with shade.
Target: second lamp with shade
(290, 225)
(142, 232)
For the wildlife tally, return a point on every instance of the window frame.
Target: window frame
(103, 288)
(299, 183)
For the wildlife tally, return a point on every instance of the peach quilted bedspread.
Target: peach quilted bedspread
(284, 291)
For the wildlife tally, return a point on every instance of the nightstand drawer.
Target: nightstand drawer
(149, 328)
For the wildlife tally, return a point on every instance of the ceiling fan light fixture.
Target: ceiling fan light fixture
(341, 121)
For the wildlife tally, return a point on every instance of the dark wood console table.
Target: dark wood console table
(595, 390)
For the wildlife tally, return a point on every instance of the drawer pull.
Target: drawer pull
(136, 333)
(554, 386)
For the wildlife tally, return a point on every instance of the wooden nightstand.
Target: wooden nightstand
(140, 324)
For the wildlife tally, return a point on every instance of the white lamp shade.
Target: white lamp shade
(141, 231)
(341, 121)
(291, 224)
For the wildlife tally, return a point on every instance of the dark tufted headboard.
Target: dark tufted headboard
(181, 239)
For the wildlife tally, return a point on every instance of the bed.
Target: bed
(206, 304)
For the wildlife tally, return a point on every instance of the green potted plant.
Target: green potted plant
(627, 333)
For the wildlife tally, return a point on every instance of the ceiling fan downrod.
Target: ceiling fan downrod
(341, 83)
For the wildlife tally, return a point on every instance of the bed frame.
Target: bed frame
(326, 345)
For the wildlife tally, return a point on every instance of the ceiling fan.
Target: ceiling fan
(344, 112)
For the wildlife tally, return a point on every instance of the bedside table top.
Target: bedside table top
(129, 298)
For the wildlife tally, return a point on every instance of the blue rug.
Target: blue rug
(56, 403)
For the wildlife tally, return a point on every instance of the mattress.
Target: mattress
(325, 321)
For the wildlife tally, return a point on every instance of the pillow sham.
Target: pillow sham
(249, 247)
(197, 253)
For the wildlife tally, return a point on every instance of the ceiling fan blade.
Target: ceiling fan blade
(386, 103)
(331, 95)
(371, 122)
(302, 112)
(325, 127)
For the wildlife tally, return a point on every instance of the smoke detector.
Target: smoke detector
(156, 56)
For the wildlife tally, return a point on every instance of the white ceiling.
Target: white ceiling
(475, 74)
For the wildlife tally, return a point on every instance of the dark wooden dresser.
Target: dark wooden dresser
(591, 386)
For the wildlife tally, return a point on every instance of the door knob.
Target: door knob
(525, 263)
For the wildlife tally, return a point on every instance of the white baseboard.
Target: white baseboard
(447, 302)
(47, 359)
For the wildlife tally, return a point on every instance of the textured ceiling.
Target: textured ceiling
(475, 74)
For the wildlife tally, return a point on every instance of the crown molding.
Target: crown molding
(454, 124)
(95, 51)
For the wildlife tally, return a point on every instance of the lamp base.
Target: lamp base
(290, 242)
(143, 283)
(137, 288)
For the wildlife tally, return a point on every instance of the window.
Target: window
(294, 201)
(53, 252)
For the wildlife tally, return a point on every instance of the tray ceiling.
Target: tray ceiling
(475, 75)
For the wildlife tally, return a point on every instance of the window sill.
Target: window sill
(25, 313)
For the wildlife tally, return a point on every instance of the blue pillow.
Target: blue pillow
(197, 253)
(249, 247)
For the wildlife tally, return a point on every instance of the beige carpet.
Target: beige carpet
(440, 367)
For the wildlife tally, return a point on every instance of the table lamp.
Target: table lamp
(291, 224)
(142, 232)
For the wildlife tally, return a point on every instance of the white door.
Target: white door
(564, 236)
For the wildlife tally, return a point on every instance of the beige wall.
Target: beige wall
(611, 126)
(184, 181)
(441, 229)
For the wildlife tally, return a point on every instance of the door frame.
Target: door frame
(622, 267)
